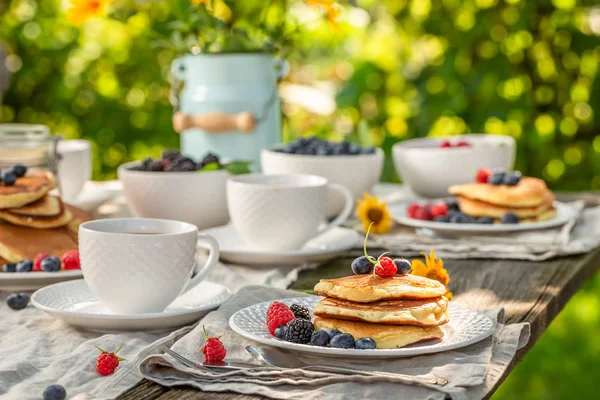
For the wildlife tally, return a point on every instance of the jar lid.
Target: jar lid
(26, 144)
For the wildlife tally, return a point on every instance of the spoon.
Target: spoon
(277, 358)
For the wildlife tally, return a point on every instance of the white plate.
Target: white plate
(322, 248)
(74, 303)
(465, 327)
(27, 281)
(564, 213)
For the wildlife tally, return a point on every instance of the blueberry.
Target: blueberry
(369, 150)
(17, 301)
(319, 338)
(485, 220)
(342, 341)
(509, 218)
(354, 149)
(365, 344)
(209, 159)
(10, 267)
(138, 167)
(25, 266)
(442, 218)
(362, 265)
(512, 179)
(185, 164)
(497, 178)
(19, 170)
(333, 332)
(9, 178)
(452, 206)
(459, 218)
(404, 266)
(50, 264)
(55, 392)
(280, 332)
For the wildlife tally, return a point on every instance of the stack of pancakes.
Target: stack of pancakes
(395, 312)
(530, 200)
(32, 221)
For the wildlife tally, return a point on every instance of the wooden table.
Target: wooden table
(533, 292)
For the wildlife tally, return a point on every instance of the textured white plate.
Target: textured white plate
(324, 247)
(465, 327)
(563, 214)
(74, 303)
(14, 281)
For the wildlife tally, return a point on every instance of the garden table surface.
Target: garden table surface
(533, 292)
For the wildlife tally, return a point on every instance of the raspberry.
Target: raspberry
(463, 143)
(213, 349)
(107, 363)
(446, 144)
(483, 175)
(439, 210)
(422, 213)
(278, 314)
(71, 260)
(385, 267)
(410, 211)
(37, 262)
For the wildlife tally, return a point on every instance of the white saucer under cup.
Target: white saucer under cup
(140, 265)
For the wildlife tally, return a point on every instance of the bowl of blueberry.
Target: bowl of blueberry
(429, 166)
(179, 188)
(344, 163)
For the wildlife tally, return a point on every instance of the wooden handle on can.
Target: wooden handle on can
(215, 122)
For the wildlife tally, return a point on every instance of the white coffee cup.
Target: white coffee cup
(140, 265)
(281, 212)
(74, 167)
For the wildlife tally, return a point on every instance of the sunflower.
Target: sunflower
(372, 211)
(433, 268)
(82, 10)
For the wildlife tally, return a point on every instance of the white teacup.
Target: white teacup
(74, 167)
(281, 212)
(140, 265)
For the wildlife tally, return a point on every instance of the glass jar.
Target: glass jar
(29, 145)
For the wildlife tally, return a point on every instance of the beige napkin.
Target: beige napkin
(470, 370)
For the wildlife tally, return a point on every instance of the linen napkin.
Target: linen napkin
(470, 370)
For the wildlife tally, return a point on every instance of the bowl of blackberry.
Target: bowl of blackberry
(348, 164)
(180, 188)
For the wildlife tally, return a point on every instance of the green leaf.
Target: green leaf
(238, 167)
(211, 167)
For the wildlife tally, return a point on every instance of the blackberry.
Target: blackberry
(182, 164)
(300, 312)
(299, 331)
(155, 166)
(146, 163)
(137, 168)
(209, 159)
(171, 154)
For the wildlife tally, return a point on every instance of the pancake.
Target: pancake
(544, 216)
(18, 243)
(27, 189)
(529, 192)
(47, 212)
(386, 336)
(478, 208)
(370, 288)
(399, 312)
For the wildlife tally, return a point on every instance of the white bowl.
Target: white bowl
(199, 198)
(358, 173)
(430, 170)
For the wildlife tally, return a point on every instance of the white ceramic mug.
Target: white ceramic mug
(74, 167)
(140, 265)
(281, 212)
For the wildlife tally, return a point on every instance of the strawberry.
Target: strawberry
(37, 262)
(483, 175)
(439, 210)
(107, 363)
(71, 260)
(385, 267)
(278, 314)
(213, 349)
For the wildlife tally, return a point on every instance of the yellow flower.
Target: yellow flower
(332, 15)
(198, 2)
(371, 210)
(433, 268)
(82, 10)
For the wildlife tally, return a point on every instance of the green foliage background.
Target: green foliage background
(409, 68)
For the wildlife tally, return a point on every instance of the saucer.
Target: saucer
(322, 248)
(26, 281)
(74, 303)
(94, 194)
